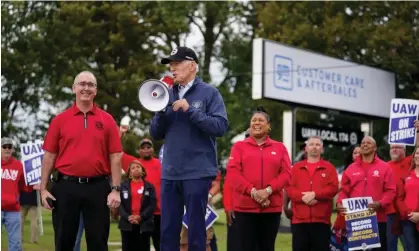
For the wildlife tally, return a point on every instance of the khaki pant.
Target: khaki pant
(184, 238)
(32, 210)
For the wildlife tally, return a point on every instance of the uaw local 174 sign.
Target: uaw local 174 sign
(361, 224)
(32, 154)
(403, 113)
(210, 217)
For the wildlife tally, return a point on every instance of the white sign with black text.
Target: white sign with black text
(306, 78)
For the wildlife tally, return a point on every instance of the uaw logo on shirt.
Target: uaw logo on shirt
(376, 173)
(7, 174)
(99, 125)
(197, 104)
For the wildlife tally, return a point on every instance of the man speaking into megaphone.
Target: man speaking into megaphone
(189, 126)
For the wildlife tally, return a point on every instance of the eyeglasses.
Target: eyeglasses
(7, 146)
(89, 85)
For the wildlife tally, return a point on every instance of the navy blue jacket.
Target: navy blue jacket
(148, 205)
(190, 150)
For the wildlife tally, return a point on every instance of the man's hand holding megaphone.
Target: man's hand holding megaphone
(183, 103)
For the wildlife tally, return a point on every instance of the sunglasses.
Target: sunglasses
(7, 146)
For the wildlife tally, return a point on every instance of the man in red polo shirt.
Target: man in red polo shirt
(83, 144)
(153, 168)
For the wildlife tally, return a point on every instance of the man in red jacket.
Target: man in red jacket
(400, 164)
(314, 183)
(153, 169)
(12, 181)
(369, 176)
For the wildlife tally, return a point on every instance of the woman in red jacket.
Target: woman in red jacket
(408, 204)
(259, 168)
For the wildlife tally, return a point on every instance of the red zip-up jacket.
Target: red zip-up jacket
(227, 194)
(408, 195)
(324, 182)
(12, 182)
(254, 166)
(369, 180)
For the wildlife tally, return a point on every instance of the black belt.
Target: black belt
(81, 180)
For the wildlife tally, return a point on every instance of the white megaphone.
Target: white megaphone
(154, 94)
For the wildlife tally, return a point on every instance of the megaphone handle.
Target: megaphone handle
(165, 109)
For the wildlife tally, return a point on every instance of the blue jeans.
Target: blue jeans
(12, 223)
(393, 239)
(79, 234)
(410, 234)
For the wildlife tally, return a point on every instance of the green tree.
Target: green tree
(120, 42)
(382, 35)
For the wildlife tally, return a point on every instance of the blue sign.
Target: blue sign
(283, 72)
(32, 155)
(210, 217)
(161, 154)
(361, 224)
(337, 242)
(403, 114)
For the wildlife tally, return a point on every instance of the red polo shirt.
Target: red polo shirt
(83, 142)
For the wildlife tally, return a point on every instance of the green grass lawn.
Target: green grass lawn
(46, 242)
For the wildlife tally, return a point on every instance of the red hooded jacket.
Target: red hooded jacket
(12, 182)
(408, 195)
(254, 166)
(324, 182)
(369, 180)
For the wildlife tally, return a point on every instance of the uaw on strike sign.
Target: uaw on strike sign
(210, 217)
(361, 224)
(403, 114)
(32, 154)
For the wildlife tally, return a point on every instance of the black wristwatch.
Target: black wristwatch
(116, 188)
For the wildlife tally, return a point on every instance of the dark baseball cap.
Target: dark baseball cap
(146, 141)
(180, 54)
